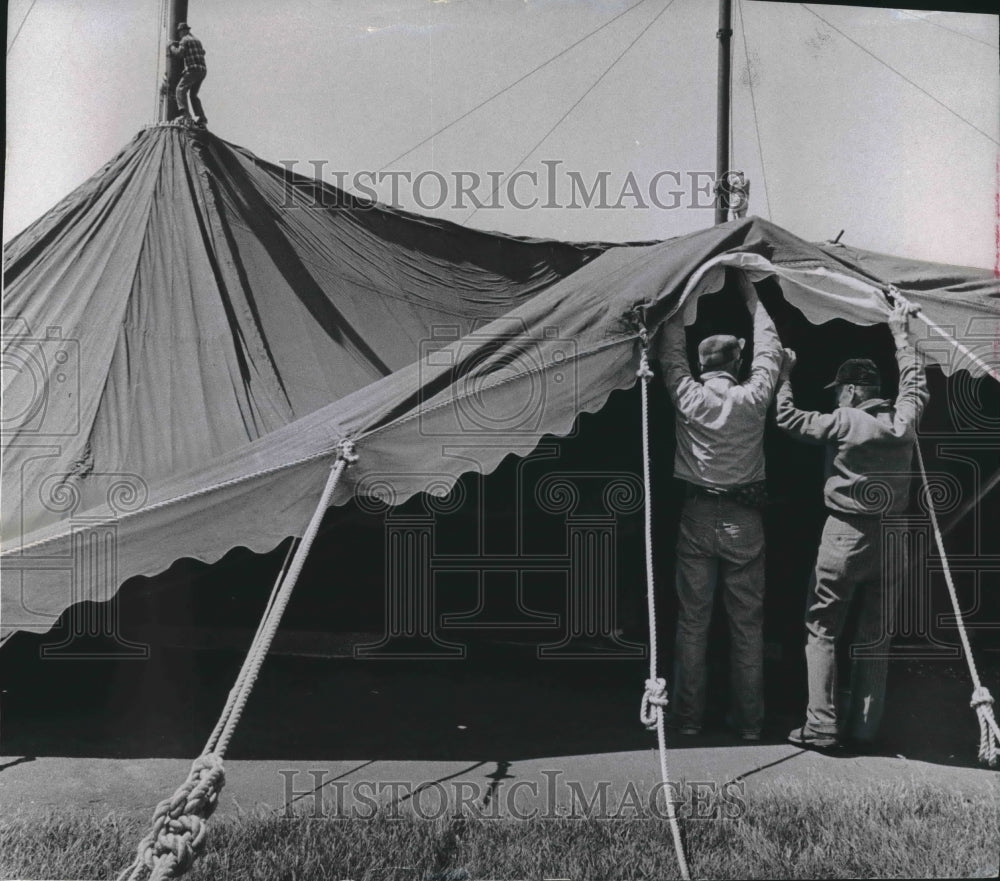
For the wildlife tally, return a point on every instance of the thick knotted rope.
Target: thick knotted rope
(654, 699)
(989, 736)
(177, 832)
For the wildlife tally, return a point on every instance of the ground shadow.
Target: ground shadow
(497, 701)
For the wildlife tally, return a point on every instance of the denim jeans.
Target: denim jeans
(849, 564)
(188, 86)
(721, 543)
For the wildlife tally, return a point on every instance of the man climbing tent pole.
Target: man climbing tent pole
(190, 49)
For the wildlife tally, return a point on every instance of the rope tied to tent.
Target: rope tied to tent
(893, 294)
(982, 700)
(654, 698)
(177, 833)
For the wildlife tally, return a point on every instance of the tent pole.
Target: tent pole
(723, 35)
(178, 12)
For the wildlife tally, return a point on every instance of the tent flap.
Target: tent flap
(194, 330)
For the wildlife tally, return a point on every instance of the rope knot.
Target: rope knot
(345, 451)
(177, 834)
(653, 701)
(981, 697)
(989, 734)
(644, 371)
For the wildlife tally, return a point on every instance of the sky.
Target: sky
(880, 123)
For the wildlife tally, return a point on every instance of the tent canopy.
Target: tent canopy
(189, 335)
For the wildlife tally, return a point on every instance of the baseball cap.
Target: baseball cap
(856, 371)
(183, 26)
(717, 350)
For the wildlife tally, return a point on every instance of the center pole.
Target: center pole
(723, 34)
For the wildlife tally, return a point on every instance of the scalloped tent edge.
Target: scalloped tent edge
(469, 400)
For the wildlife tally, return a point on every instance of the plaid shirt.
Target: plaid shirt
(193, 53)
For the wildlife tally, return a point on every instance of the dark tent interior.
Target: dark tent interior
(494, 670)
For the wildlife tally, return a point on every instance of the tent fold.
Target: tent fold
(231, 323)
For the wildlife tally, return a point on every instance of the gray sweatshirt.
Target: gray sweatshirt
(872, 444)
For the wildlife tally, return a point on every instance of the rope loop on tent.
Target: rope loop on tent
(982, 700)
(177, 832)
(893, 295)
(654, 699)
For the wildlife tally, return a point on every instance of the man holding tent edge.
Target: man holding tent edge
(872, 442)
(720, 457)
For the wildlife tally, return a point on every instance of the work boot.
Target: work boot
(806, 738)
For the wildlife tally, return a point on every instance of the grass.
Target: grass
(788, 830)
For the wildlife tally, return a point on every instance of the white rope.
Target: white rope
(961, 347)
(654, 699)
(177, 833)
(982, 700)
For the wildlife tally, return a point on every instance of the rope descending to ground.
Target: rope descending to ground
(177, 832)
(982, 700)
(654, 699)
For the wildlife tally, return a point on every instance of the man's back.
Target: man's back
(872, 444)
(193, 52)
(720, 431)
(720, 422)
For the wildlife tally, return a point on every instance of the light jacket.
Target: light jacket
(720, 422)
(872, 444)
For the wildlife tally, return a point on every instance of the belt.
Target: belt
(752, 495)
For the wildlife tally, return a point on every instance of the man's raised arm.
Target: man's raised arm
(685, 391)
(913, 394)
(808, 425)
(767, 352)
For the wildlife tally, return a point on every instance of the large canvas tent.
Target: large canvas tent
(190, 334)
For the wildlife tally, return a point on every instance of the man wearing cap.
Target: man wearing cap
(871, 440)
(720, 458)
(190, 49)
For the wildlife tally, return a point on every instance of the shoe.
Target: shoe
(683, 729)
(809, 739)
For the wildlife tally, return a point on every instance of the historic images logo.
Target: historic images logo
(311, 183)
(317, 793)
